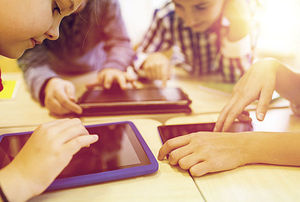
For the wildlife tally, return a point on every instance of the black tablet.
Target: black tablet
(167, 132)
(121, 153)
(134, 101)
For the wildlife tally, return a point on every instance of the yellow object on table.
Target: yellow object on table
(9, 89)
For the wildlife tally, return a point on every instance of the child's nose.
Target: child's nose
(53, 33)
(189, 19)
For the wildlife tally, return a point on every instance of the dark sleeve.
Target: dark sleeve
(117, 43)
(34, 64)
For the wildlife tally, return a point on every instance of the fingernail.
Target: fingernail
(260, 116)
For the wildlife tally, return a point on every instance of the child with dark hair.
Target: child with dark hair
(92, 39)
(215, 37)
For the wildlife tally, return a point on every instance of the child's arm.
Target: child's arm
(46, 153)
(150, 61)
(204, 152)
(238, 14)
(56, 94)
(119, 53)
(37, 71)
(237, 40)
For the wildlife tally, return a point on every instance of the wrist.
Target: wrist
(12, 182)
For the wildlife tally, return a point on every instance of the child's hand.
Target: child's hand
(60, 97)
(108, 76)
(205, 152)
(238, 14)
(157, 66)
(46, 153)
(257, 84)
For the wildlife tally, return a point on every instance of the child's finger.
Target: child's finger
(70, 91)
(200, 169)
(108, 80)
(121, 81)
(178, 154)
(73, 146)
(55, 107)
(244, 118)
(68, 104)
(165, 76)
(92, 85)
(189, 161)
(263, 102)
(172, 144)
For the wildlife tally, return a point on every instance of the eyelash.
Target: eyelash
(178, 6)
(56, 8)
(200, 8)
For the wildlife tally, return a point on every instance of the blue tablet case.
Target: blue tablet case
(105, 176)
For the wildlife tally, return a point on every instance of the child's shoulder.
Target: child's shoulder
(167, 9)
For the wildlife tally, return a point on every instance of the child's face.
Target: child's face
(199, 14)
(25, 23)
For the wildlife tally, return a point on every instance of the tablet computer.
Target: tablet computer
(167, 132)
(134, 101)
(121, 152)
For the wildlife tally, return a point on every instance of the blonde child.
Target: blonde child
(52, 145)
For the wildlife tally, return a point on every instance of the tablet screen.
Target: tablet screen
(171, 131)
(117, 148)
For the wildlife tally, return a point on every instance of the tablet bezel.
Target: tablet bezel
(106, 176)
(97, 103)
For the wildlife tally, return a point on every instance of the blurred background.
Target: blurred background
(279, 34)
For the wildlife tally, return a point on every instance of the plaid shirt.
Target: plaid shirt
(202, 52)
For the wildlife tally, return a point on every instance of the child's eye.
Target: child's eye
(198, 7)
(178, 6)
(56, 8)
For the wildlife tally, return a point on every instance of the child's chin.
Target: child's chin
(200, 29)
(12, 53)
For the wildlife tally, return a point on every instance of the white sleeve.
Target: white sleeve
(236, 49)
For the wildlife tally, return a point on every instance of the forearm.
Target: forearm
(238, 30)
(35, 77)
(273, 148)
(13, 185)
(120, 56)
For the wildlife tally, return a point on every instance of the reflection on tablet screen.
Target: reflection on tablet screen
(117, 147)
(171, 131)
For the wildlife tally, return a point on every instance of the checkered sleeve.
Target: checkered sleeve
(234, 58)
(157, 38)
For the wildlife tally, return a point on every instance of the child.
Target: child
(205, 152)
(213, 36)
(93, 38)
(52, 145)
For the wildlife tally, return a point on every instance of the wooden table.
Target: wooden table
(168, 184)
(24, 111)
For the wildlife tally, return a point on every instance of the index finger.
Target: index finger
(223, 115)
(165, 76)
(68, 104)
(121, 81)
(172, 144)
